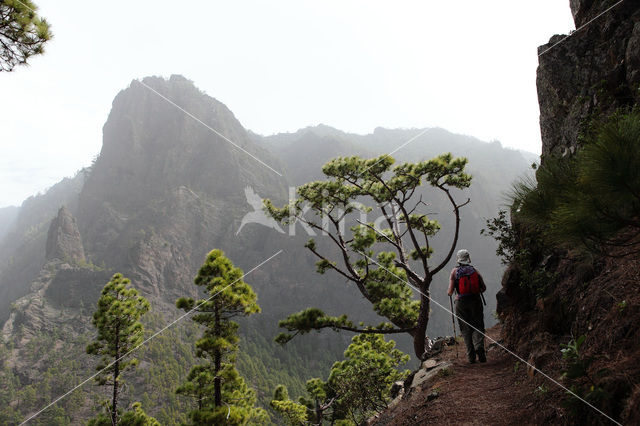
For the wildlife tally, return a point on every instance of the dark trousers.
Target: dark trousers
(469, 311)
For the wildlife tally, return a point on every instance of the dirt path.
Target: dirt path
(498, 392)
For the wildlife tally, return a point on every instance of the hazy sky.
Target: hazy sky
(466, 66)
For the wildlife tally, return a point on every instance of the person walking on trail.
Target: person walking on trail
(468, 284)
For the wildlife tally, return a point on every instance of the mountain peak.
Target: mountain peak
(179, 77)
(164, 133)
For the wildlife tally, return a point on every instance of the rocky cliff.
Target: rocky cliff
(591, 72)
(63, 238)
(64, 281)
(571, 313)
(23, 248)
(165, 188)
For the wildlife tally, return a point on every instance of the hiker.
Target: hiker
(468, 285)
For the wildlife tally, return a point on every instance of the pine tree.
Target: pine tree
(592, 199)
(22, 33)
(377, 260)
(134, 417)
(362, 382)
(358, 387)
(220, 393)
(119, 332)
(293, 413)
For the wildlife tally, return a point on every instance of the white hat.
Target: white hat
(463, 258)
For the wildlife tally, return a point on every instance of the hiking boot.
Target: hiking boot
(482, 357)
(472, 358)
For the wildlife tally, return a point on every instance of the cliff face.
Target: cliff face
(165, 189)
(151, 147)
(594, 71)
(64, 281)
(589, 298)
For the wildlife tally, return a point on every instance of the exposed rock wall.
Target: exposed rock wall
(593, 72)
(588, 75)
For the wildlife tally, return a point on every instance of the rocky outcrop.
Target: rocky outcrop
(44, 310)
(592, 72)
(22, 250)
(432, 367)
(63, 240)
(151, 147)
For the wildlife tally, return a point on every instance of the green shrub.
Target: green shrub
(588, 199)
(522, 245)
(589, 202)
(583, 385)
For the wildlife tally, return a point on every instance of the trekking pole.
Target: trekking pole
(453, 320)
(483, 301)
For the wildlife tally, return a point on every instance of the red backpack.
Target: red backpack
(468, 280)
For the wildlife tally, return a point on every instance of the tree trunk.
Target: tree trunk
(318, 412)
(420, 336)
(116, 373)
(217, 381)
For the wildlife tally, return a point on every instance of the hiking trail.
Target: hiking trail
(498, 392)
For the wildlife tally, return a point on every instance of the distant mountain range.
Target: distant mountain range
(163, 192)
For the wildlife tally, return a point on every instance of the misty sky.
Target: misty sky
(466, 66)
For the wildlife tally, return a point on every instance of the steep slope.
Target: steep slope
(47, 325)
(63, 238)
(159, 168)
